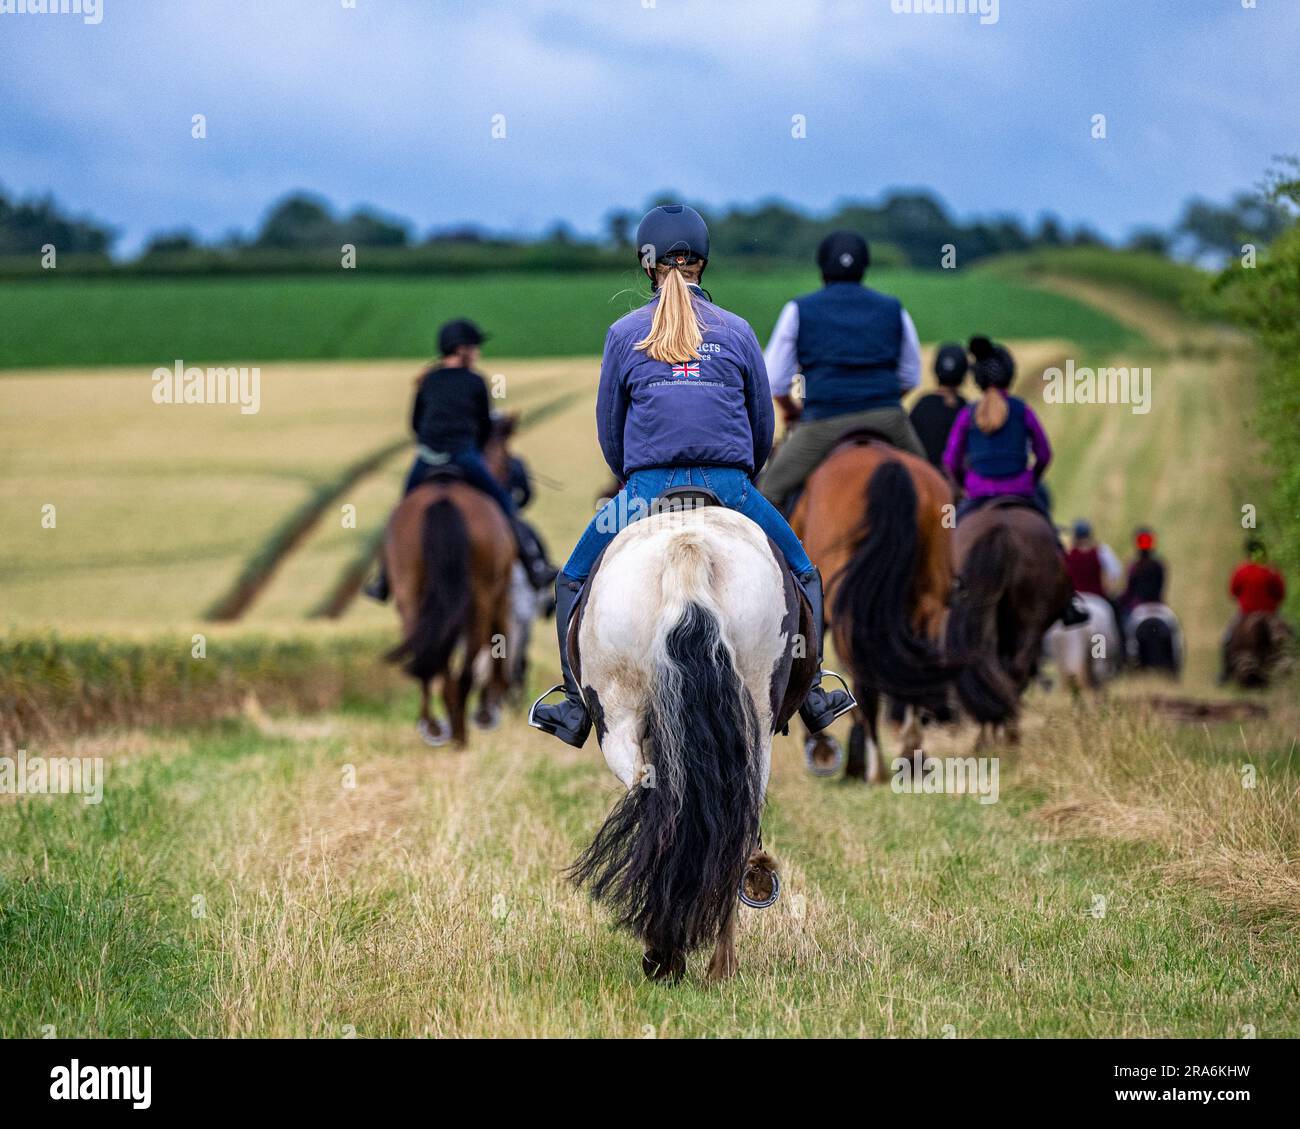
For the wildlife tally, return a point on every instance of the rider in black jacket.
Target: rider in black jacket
(452, 423)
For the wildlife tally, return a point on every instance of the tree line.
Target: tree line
(915, 224)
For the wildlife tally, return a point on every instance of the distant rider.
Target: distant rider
(934, 413)
(989, 448)
(452, 422)
(991, 441)
(1257, 587)
(1146, 574)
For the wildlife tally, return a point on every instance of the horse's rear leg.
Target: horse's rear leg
(455, 694)
(430, 728)
(724, 963)
(864, 761)
(912, 735)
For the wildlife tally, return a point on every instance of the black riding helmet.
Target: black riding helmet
(671, 233)
(843, 256)
(994, 365)
(951, 365)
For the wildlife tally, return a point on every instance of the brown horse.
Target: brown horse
(872, 518)
(1012, 586)
(449, 552)
(1257, 648)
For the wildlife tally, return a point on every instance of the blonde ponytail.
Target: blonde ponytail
(675, 333)
(991, 412)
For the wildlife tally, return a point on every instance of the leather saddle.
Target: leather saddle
(679, 499)
(862, 437)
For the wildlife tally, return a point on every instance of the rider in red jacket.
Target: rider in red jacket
(1257, 587)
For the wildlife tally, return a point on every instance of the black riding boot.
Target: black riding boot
(541, 573)
(568, 719)
(820, 707)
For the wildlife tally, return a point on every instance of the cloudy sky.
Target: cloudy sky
(391, 104)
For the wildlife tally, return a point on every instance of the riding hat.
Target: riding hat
(458, 332)
(843, 256)
(951, 365)
(672, 233)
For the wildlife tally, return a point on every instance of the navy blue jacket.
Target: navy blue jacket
(1004, 453)
(850, 339)
(716, 411)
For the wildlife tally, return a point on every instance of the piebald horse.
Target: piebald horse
(687, 653)
(449, 553)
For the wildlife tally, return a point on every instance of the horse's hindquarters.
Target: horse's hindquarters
(680, 637)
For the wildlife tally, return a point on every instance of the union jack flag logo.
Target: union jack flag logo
(687, 371)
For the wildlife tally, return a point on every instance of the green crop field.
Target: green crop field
(234, 882)
(57, 322)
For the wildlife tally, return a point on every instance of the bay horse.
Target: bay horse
(872, 519)
(1012, 586)
(449, 553)
(1257, 647)
(686, 651)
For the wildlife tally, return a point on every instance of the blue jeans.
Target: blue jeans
(732, 487)
(471, 464)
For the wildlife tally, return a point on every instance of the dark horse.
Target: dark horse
(872, 519)
(1012, 586)
(1258, 646)
(449, 552)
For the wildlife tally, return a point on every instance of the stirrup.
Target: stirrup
(532, 710)
(761, 903)
(574, 735)
(853, 702)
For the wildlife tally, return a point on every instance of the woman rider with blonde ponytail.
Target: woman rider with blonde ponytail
(683, 401)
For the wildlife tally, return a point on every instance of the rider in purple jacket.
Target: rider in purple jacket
(990, 444)
(683, 401)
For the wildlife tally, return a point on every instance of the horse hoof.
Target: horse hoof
(823, 754)
(433, 733)
(760, 886)
(656, 968)
(488, 719)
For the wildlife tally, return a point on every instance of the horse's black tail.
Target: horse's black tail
(445, 601)
(877, 599)
(984, 689)
(670, 857)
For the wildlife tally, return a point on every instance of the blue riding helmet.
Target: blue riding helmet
(670, 231)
